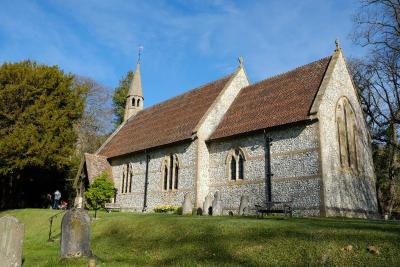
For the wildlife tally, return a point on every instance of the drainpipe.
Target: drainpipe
(268, 174)
(146, 182)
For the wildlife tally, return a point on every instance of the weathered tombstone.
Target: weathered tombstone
(217, 206)
(11, 240)
(207, 205)
(75, 234)
(187, 205)
(244, 206)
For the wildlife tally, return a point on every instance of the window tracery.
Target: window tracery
(347, 134)
(236, 162)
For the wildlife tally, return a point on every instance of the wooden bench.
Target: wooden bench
(112, 206)
(274, 207)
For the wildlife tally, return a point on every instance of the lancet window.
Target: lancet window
(170, 172)
(236, 164)
(127, 176)
(347, 134)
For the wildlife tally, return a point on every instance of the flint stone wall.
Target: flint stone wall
(156, 195)
(346, 193)
(212, 118)
(295, 166)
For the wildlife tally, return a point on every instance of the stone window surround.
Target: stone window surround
(235, 153)
(165, 165)
(353, 168)
(125, 188)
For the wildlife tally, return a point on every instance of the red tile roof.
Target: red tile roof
(165, 123)
(279, 100)
(95, 165)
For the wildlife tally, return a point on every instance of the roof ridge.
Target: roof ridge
(185, 93)
(289, 71)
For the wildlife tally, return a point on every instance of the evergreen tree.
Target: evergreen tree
(38, 107)
(119, 98)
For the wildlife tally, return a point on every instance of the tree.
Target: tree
(119, 98)
(95, 124)
(38, 107)
(99, 192)
(377, 26)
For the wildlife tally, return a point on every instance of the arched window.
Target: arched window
(165, 178)
(133, 101)
(138, 102)
(176, 176)
(347, 134)
(233, 168)
(170, 172)
(171, 169)
(130, 179)
(241, 164)
(126, 178)
(123, 181)
(236, 160)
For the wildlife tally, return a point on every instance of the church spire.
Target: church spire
(134, 99)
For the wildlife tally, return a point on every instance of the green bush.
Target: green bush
(100, 192)
(179, 210)
(165, 209)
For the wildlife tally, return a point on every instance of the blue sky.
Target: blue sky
(186, 43)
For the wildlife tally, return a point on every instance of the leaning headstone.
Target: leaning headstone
(217, 206)
(244, 206)
(11, 240)
(207, 205)
(75, 234)
(187, 205)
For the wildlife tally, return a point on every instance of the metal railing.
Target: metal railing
(51, 218)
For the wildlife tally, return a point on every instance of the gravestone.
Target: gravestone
(75, 234)
(217, 206)
(187, 205)
(207, 205)
(244, 206)
(11, 240)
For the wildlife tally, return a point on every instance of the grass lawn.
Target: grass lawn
(129, 239)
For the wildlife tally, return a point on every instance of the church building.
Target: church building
(297, 137)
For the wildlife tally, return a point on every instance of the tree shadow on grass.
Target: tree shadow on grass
(187, 241)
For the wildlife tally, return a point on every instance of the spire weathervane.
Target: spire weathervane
(140, 50)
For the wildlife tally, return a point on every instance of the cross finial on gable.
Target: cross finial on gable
(337, 45)
(240, 59)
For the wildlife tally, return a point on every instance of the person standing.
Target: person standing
(57, 197)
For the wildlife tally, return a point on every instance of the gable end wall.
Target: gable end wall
(346, 193)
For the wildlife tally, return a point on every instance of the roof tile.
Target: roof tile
(165, 123)
(282, 99)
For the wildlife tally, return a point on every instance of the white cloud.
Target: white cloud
(100, 38)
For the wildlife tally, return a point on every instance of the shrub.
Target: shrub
(165, 208)
(99, 193)
(179, 210)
